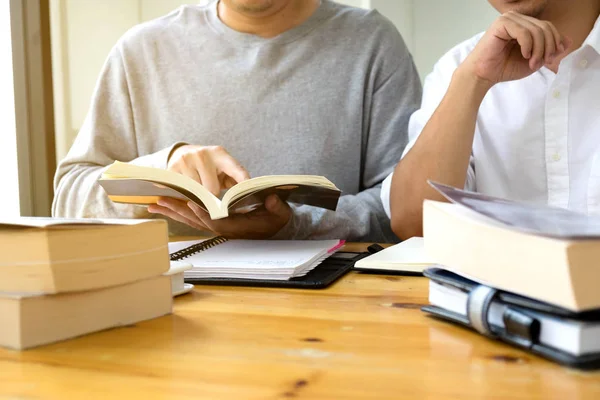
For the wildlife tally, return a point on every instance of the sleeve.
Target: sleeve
(435, 88)
(108, 134)
(361, 217)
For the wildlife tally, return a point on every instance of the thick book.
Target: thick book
(53, 255)
(547, 254)
(132, 184)
(552, 332)
(29, 320)
(274, 260)
(408, 256)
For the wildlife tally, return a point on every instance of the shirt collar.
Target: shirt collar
(593, 39)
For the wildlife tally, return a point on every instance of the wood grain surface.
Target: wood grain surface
(362, 338)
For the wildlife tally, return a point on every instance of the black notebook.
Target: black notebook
(549, 331)
(294, 263)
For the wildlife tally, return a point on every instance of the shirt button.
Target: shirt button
(583, 63)
(556, 157)
(556, 94)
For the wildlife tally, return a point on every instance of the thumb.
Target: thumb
(276, 206)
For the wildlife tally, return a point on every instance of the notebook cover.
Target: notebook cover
(403, 255)
(323, 275)
(587, 361)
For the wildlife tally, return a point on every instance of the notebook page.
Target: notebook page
(258, 254)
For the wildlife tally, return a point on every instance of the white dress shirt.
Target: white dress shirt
(537, 140)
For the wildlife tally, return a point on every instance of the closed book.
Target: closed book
(555, 263)
(29, 320)
(408, 256)
(561, 335)
(48, 255)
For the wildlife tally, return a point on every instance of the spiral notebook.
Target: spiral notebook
(264, 260)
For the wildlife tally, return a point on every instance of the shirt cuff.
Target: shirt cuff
(385, 194)
(159, 159)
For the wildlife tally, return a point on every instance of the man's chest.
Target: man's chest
(260, 108)
(540, 137)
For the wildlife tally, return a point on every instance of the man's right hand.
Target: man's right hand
(212, 166)
(514, 47)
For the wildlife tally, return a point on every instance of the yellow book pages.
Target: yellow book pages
(29, 320)
(81, 256)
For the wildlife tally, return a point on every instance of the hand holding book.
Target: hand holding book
(217, 170)
(198, 188)
(262, 223)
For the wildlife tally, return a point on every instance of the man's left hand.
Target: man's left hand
(261, 223)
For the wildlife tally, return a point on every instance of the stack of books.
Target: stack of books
(64, 278)
(523, 274)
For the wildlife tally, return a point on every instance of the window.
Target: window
(9, 200)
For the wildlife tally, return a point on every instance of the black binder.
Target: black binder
(522, 328)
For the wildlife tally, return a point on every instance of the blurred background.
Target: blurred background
(51, 52)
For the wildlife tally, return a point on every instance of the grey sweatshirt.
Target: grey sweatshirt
(330, 97)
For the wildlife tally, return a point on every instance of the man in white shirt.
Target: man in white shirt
(513, 112)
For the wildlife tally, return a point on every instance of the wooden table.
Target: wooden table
(363, 338)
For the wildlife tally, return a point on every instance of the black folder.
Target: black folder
(522, 318)
(323, 275)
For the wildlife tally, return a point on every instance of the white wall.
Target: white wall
(84, 31)
(439, 25)
(9, 201)
(401, 13)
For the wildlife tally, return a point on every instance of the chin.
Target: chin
(532, 8)
(253, 6)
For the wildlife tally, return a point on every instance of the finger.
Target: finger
(181, 208)
(506, 29)
(201, 214)
(538, 44)
(551, 42)
(185, 165)
(234, 169)
(567, 42)
(278, 207)
(191, 172)
(167, 212)
(230, 166)
(208, 173)
(558, 38)
(228, 182)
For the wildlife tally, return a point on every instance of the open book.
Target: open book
(132, 184)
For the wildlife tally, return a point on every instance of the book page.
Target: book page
(270, 181)
(257, 254)
(540, 220)
(118, 179)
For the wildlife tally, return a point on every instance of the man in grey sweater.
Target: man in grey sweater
(240, 87)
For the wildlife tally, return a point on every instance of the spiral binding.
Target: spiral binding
(197, 248)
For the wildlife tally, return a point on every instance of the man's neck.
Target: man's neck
(574, 19)
(270, 23)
